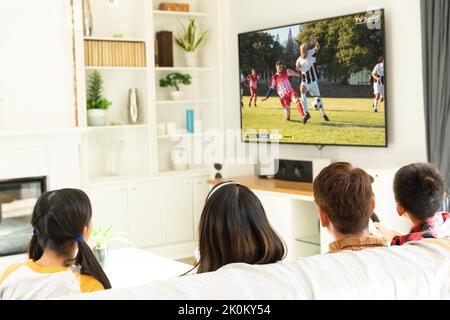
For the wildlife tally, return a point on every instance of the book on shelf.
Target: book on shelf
(105, 53)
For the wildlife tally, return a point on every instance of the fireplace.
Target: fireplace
(17, 199)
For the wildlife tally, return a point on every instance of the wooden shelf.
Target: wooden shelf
(183, 69)
(180, 13)
(272, 185)
(185, 101)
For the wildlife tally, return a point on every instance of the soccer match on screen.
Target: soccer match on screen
(319, 82)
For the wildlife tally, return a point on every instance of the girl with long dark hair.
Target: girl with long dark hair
(61, 262)
(234, 228)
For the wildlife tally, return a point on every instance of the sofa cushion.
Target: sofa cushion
(418, 270)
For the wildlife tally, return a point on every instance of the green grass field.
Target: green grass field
(352, 122)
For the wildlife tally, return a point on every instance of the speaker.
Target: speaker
(164, 49)
(300, 170)
(224, 170)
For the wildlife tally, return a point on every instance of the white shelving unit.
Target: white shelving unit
(145, 152)
(139, 198)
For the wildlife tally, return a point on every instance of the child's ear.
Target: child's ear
(400, 210)
(323, 218)
(372, 205)
(86, 233)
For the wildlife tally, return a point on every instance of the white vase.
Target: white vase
(191, 59)
(96, 117)
(112, 155)
(180, 158)
(133, 106)
(177, 95)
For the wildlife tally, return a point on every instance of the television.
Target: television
(319, 82)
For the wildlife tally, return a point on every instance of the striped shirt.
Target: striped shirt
(282, 84)
(307, 66)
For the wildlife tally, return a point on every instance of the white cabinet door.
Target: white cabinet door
(201, 189)
(145, 210)
(109, 206)
(178, 219)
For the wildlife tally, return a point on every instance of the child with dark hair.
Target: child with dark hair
(61, 262)
(419, 193)
(234, 228)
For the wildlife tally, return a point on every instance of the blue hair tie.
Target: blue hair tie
(79, 239)
(35, 232)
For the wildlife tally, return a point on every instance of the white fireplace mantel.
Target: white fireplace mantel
(52, 153)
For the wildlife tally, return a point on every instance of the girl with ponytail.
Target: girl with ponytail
(61, 263)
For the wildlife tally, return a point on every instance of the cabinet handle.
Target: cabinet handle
(133, 188)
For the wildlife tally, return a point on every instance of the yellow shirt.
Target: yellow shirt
(31, 281)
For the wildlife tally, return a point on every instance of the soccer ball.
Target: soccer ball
(317, 103)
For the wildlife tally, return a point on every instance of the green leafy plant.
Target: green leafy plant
(174, 80)
(95, 99)
(188, 41)
(102, 236)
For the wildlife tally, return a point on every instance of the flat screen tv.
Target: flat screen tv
(320, 82)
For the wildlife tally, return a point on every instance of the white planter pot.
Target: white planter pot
(191, 59)
(96, 117)
(177, 95)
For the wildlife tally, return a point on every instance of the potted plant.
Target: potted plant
(96, 104)
(189, 42)
(174, 80)
(102, 237)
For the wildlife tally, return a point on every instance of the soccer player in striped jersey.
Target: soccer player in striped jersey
(378, 83)
(253, 84)
(306, 65)
(280, 82)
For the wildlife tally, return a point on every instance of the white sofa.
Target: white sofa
(419, 270)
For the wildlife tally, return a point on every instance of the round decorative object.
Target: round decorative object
(180, 158)
(177, 95)
(191, 59)
(96, 117)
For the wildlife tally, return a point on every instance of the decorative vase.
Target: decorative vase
(87, 19)
(133, 106)
(96, 117)
(112, 155)
(180, 158)
(191, 59)
(177, 95)
(101, 253)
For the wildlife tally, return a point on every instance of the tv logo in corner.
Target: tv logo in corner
(372, 19)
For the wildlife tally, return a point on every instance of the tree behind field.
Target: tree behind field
(258, 50)
(346, 47)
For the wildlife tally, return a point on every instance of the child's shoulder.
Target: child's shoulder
(90, 284)
(9, 270)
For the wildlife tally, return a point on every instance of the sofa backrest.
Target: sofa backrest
(419, 270)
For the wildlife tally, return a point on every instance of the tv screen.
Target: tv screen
(320, 82)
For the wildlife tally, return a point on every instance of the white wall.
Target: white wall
(36, 85)
(406, 124)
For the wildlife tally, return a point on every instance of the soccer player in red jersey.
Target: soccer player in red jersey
(280, 82)
(253, 84)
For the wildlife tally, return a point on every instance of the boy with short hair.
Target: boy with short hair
(419, 192)
(344, 199)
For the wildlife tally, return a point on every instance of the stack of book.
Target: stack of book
(109, 53)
